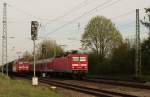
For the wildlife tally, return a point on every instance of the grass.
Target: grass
(19, 88)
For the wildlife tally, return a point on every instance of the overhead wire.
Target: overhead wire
(123, 25)
(73, 9)
(62, 16)
(24, 12)
(70, 11)
(55, 19)
(116, 17)
(109, 5)
(124, 14)
(100, 5)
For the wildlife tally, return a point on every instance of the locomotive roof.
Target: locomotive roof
(77, 54)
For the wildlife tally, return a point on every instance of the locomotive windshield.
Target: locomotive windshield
(82, 58)
(79, 59)
(75, 58)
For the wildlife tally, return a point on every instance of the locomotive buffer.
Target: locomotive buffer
(34, 30)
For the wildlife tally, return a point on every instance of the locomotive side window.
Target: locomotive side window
(75, 58)
(82, 58)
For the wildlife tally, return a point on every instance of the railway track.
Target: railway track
(120, 83)
(81, 88)
(85, 89)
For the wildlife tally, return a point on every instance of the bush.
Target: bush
(121, 62)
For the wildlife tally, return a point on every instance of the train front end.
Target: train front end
(79, 63)
(22, 66)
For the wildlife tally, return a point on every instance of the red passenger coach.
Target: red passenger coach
(44, 65)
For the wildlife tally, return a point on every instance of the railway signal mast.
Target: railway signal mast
(34, 34)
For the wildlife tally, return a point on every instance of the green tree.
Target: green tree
(147, 23)
(48, 49)
(145, 52)
(101, 36)
(123, 59)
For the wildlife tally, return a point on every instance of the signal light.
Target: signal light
(34, 29)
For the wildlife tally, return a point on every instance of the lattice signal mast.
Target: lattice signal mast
(138, 47)
(4, 38)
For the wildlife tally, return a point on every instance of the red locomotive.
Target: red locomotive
(18, 66)
(72, 64)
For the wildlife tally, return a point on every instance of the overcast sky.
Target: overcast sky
(65, 20)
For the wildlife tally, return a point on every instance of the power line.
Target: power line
(108, 1)
(96, 8)
(24, 12)
(107, 5)
(124, 14)
(70, 11)
(61, 16)
(116, 17)
(132, 22)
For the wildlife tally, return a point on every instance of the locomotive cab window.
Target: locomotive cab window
(75, 58)
(82, 58)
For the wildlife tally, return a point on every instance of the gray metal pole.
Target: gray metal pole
(6, 41)
(34, 56)
(54, 49)
(6, 56)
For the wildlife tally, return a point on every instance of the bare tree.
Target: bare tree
(27, 56)
(48, 49)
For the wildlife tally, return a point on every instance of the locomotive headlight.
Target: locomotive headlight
(75, 64)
